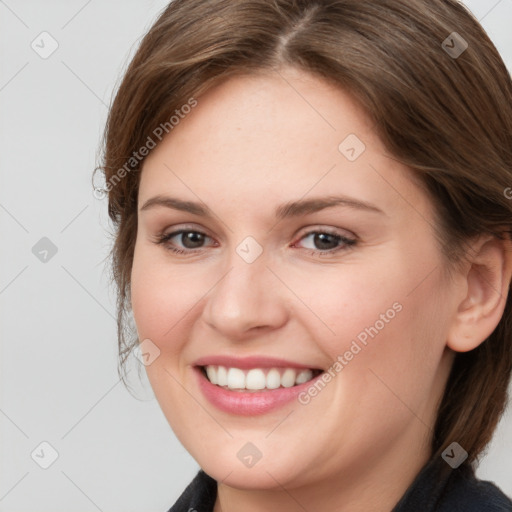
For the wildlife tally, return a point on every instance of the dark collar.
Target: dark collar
(199, 496)
(436, 488)
(439, 488)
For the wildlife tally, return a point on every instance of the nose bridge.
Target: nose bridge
(245, 297)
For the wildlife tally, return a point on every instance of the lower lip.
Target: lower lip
(249, 403)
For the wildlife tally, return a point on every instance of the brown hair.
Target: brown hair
(448, 117)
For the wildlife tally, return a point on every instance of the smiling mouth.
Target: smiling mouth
(257, 379)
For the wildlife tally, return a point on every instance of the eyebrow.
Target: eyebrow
(286, 210)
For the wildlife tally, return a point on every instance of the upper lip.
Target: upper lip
(250, 362)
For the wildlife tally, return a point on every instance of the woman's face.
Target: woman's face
(305, 246)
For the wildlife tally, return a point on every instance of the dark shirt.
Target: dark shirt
(434, 490)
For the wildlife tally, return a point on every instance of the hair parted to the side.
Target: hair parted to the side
(448, 119)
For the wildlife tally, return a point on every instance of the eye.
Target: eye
(191, 240)
(323, 241)
(327, 242)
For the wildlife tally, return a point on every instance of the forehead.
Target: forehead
(276, 110)
(278, 135)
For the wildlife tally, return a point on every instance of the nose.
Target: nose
(247, 300)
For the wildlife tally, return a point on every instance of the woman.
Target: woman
(313, 237)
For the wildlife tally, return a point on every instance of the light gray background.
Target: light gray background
(58, 338)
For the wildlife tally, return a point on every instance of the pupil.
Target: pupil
(192, 237)
(322, 239)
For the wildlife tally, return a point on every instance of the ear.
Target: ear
(486, 288)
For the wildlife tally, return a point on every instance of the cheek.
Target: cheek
(389, 313)
(161, 290)
(161, 296)
(385, 353)
(345, 302)
(398, 343)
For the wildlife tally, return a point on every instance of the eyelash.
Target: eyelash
(349, 243)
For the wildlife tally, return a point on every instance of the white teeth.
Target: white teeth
(256, 378)
(288, 378)
(304, 376)
(236, 378)
(212, 374)
(273, 379)
(222, 375)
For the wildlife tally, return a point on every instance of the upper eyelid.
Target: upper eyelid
(307, 230)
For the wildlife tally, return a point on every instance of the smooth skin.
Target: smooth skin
(252, 144)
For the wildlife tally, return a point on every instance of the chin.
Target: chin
(260, 476)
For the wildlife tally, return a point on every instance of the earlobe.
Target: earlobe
(486, 289)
